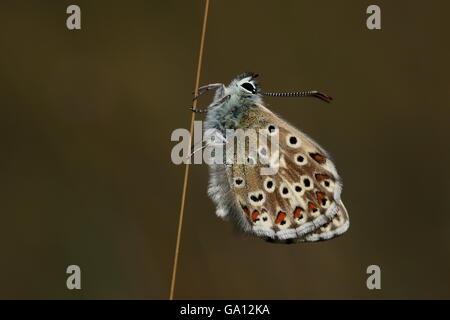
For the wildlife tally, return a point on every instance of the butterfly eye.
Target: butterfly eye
(249, 87)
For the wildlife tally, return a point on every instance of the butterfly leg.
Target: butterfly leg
(222, 101)
(208, 87)
(218, 103)
(198, 110)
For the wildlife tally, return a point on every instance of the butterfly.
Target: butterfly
(301, 202)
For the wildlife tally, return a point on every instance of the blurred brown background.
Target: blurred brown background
(86, 175)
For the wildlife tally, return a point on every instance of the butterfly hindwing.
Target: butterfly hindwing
(337, 226)
(301, 201)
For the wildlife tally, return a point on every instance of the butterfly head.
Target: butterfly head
(245, 86)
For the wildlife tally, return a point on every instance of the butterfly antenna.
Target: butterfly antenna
(317, 94)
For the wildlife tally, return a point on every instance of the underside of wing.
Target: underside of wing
(300, 202)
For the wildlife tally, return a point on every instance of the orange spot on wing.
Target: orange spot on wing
(320, 196)
(318, 157)
(297, 212)
(255, 215)
(311, 206)
(280, 217)
(321, 177)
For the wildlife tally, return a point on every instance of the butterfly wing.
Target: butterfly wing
(300, 202)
